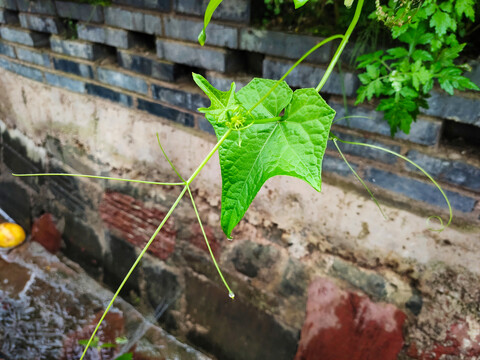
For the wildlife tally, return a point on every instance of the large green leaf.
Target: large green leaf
(293, 145)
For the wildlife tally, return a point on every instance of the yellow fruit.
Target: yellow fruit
(11, 235)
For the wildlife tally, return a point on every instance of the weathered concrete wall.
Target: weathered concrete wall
(299, 257)
(290, 236)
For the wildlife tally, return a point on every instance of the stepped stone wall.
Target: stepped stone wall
(84, 89)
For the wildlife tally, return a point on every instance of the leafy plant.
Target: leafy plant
(263, 130)
(403, 76)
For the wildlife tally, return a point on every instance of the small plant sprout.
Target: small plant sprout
(258, 129)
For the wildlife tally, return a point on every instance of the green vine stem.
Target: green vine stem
(317, 46)
(231, 294)
(340, 48)
(100, 177)
(334, 139)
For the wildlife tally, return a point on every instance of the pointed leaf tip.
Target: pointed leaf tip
(202, 37)
(211, 7)
(299, 3)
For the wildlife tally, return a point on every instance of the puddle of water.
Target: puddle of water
(47, 305)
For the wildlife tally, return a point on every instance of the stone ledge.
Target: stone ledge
(34, 57)
(232, 10)
(46, 7)
(24, 37)
(133, 20)
(77, 11)
(77, 48)
(309, 76)
(452, 171)
(149, 65)
(119, 38)
(423, 131)
(40, 23)
(217, 34)
(285, 45)
(419, 191)
(459, 107)
(209, 58)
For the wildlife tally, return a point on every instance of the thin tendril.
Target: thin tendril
(359, 178)
(327, 40)
(100, 177)
(442, 226)
(340, 48)
(230, 292)
(166, 157)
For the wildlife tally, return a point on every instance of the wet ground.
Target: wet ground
(48, 304)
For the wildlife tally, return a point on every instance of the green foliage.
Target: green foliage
(265, 144)
(403, 76)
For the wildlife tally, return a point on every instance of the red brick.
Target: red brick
(342, 325)
(137, 223)
(45, 232)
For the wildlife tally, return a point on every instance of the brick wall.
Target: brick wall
(138, 55)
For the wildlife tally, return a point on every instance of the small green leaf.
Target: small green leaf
(465, 7)
(398, 30)
(398, 52)
(398, 114)
(466, 83)
(212, 6)
(422, 55)
(420, 76)
(373, 71)
(374, 88)
(446, 6)
(367, 59)
(221, 101)
(348, 3)
(447, 86)
(364, 78)
(448, 54)
(408, 92)
(424, 38)
(441, 21)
